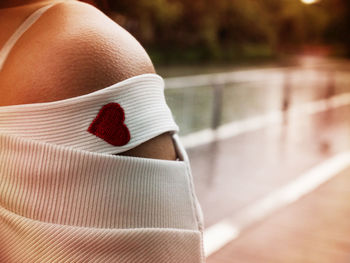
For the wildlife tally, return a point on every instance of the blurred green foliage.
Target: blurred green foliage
(226, 30)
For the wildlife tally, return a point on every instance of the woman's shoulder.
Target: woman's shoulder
(74, 49)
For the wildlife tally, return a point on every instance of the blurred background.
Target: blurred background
(233, 31)
(260, 90)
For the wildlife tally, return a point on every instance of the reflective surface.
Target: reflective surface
(234, 173)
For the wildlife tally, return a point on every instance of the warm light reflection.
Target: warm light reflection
(309, 2)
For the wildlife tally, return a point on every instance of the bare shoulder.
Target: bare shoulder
(96, 48)
(74, 49)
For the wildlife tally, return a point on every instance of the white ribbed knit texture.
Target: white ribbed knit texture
(65, 198)
(65, 122)
(59, 204)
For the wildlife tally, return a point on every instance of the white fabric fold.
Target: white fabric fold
(65, 122)
(65, 198)
(59, 204)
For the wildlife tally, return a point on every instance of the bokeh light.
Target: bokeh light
(309, 2)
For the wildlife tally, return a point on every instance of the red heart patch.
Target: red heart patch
(109, 125)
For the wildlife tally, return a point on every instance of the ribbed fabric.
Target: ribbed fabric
(65, 122)
(65, 198)
(59, 204)
(55, 243)
(113, 190)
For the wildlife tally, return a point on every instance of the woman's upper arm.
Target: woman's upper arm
(78, 50)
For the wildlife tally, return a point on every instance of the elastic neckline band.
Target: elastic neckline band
(66, 122)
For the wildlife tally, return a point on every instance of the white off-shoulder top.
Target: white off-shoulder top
(65, 196)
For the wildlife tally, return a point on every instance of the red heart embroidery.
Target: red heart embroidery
(109, 125)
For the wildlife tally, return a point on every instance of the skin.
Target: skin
(15, 3)
(75, 49)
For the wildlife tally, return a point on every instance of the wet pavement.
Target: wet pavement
(231, 174)
(315, 229)
(235, 173)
